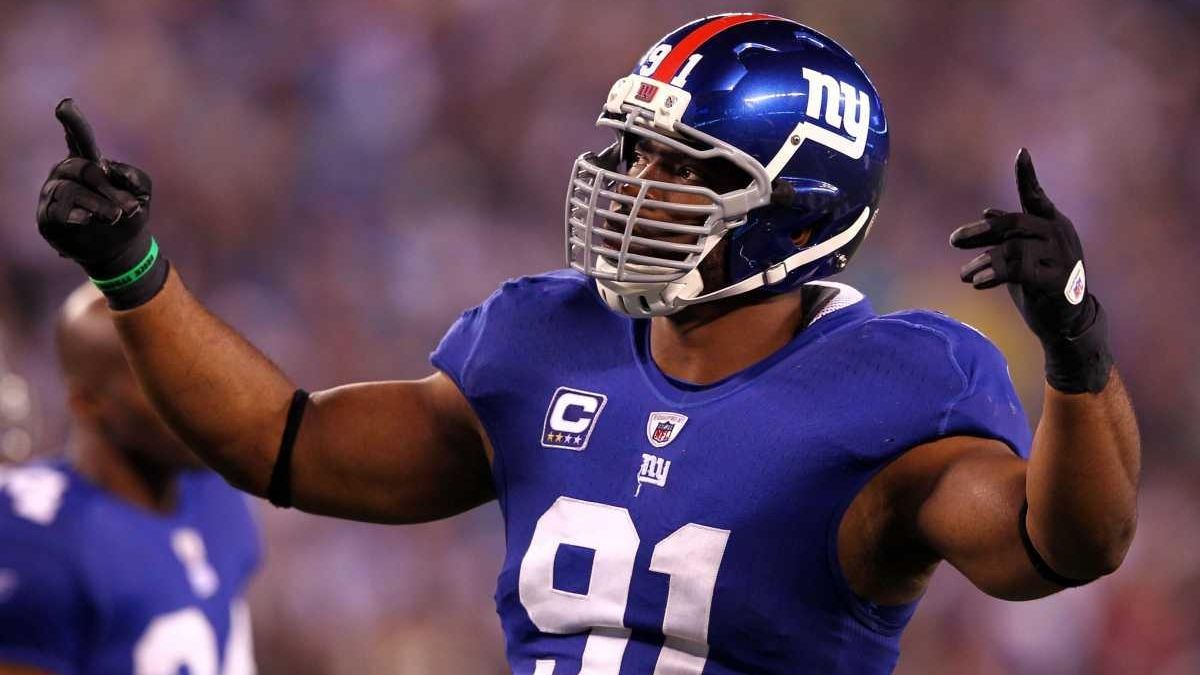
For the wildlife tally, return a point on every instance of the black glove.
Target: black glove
(1038, 254)
(94, 211)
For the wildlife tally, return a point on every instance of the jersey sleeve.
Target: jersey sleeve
(488, 342)
(42, 607)
(455, 353)
(988, 405)
(940, 378)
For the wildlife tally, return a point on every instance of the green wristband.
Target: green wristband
(133, 275)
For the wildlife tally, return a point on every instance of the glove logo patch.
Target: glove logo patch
(1076, 285)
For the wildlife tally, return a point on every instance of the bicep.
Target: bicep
(396, 452)
(969, 515)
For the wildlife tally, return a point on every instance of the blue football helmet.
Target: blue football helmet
(776, 99)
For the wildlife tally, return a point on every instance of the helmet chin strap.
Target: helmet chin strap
(646, 299)
(642, 300)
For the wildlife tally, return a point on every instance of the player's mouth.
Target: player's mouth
(618, 226)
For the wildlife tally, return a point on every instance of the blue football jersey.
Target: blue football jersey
(657, 527)
(93, 585)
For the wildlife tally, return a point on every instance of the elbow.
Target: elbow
(232, 461)
(1116, 546)
(1097, 553)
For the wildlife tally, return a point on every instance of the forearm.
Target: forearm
(1082, 478)
(219, 393)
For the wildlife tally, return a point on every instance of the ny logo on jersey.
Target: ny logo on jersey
(664, 427)
(571, 417)
(653, 472)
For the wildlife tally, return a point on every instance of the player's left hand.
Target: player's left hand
(1037, 253)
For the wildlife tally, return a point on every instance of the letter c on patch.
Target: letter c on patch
(573, 403)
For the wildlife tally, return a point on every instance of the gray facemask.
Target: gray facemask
(638, 272)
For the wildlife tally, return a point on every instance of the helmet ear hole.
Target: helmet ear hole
(782, 193)
(813, 228)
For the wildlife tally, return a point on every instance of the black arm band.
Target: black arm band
(279, 492)
(1039, 564)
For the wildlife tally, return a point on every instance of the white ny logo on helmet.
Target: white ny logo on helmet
(825, 97)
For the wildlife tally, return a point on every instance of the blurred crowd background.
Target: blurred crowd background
(340, 179)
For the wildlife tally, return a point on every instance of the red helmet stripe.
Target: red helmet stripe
(694, 40)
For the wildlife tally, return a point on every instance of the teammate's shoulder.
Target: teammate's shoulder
(208, 490)
(205, 485)
(42, 500)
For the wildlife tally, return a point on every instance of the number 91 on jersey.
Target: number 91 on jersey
(690, 557)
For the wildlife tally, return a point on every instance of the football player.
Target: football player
(124, 559)
(708, 461)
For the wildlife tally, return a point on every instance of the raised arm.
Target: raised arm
(386, 451)
(379, 451)
(1080, 483)
(966, 497)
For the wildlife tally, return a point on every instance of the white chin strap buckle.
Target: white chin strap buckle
(650, 299)
(775, 273)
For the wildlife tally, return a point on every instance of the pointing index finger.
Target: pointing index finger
(1033, 198)
(80, 139)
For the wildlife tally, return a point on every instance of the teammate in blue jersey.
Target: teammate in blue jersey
(708, 461)
(126, 558)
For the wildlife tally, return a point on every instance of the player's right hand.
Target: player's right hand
(94, 211)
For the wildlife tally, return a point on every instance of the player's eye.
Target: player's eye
(689, 174)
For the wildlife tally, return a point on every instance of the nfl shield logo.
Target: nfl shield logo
(662, 433)
(646, 92)
(664, 427)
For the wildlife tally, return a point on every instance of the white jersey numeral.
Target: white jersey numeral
(607, 530)
(182, 639)
(691, 556)
(185, 639)
(37, 492)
